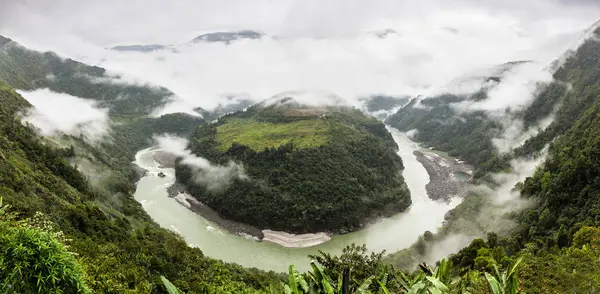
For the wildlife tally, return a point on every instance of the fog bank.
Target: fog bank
(55, 113)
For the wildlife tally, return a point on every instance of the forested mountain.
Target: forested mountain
(120, 248)
(28, 70)
(130, 106)
(379, 103)
(564, 189)
(306, 169)
(441, 123)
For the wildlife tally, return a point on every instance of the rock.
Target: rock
(137, 173)
(161, 174)
(443, 183)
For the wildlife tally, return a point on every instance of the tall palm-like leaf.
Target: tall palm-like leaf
(171, 289)
(428, 281)
(364, 288)
(506, 282)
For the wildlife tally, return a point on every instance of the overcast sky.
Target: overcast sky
(321, 45)
(114, 21)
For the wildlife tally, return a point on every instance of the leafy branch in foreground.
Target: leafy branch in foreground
(34, 261)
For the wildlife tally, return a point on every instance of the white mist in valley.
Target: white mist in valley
(54, 113)
(205, 173)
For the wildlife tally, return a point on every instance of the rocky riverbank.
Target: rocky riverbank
(295, 241)
(443, 182)
(178, 192)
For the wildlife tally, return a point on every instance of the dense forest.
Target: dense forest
(305, 169)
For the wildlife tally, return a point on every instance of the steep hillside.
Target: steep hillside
(25, 69)
(469, 135)
(567, 185)
(120, 247)
(131, 127)
(305, 169)
(552, 232)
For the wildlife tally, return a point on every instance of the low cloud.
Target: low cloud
(515, 92)
(214, 177)
(56, 113)
(517, 89)
(176, 105)
(515, 134)
(310, 45)
(500, 200)
(312, 98)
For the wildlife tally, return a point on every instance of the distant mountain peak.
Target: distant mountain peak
(139, 48)
(304, 98)
(383, 33)
(228, 37)
(4, 41)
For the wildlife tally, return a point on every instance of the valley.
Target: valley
(221, 239)
(298, 151)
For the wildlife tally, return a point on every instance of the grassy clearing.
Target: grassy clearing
(260, 135)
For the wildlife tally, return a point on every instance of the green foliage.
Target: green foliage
(566, 183)
(170, 287)
(569, 270)
(505, 282)
(355, 259)
(35, 261)
(442, 279)
(358, 272)
(335, 187)
(317, 281)
(259, 136)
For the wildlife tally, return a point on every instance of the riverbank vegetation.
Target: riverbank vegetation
(305, 169)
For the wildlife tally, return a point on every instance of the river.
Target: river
(390, 234)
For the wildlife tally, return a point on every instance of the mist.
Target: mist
(214, 177)
(54, 113)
